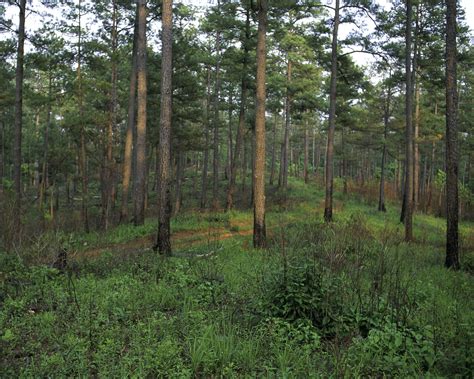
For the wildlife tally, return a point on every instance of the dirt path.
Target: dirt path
(179, 240)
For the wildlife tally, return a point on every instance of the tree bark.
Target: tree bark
(239, 139)
(127, 160)
(44, 163)
(328, 205)
(2, 158)
(82, 146)
(409, 127)
(109, 180)
(306, 153)
(141, 166)
(18, 119)
(382, 207)
(286, 138)
(206, 148)
(272, 167)
(216, 122)
(164, 202)
(259, 229)
(452, 155)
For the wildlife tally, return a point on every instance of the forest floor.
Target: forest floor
(348, 299)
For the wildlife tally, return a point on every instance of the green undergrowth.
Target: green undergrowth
(349, 299)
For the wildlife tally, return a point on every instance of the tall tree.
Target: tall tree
(163, 242)
(216, 119)
(408, 197)
(332, 120)
(259, 229)
(239, 139)
(452, 159)
(18, 116)
(127, 160)
(141, 166)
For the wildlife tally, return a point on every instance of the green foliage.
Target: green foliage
(346, 299)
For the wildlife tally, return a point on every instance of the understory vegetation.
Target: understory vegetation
(345, 299)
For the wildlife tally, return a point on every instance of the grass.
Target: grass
(349, 299)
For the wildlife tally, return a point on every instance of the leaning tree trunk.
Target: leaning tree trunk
(328, 205)
(141, 166)
(127, 156)
(452, 156)
(163, 242)
(408, 197)
(259, 229)
(18, 119)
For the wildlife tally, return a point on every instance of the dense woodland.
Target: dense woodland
(227, 188)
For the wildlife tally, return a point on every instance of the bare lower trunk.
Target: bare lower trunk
(272, 167)
(127, 160)
(141, 166)
(306, 155)
(286, 138)
(239, 139)
(18, 120)
(408, 219)
(164, 202)
(452, 156)
(206, 147)
(216, 121)
(179, 179)
(109, 182)
(328, 205)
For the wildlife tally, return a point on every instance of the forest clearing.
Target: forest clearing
(236, 188)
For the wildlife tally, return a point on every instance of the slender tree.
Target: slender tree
(259, 229)
(141, 166)
(18, 116)
(163, 242)
(127, 160)
(408, 197)
(332, 120)
(452, 159)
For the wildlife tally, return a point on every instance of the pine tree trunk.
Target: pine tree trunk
(286, 139)
(127, 155)
(328, 205)
(179, 179)
(2, 152)
(18, 120)
(259, 228)
(216, 122)
(82, 147)
(111, 127)
(205, 165)
(164, 202)
(408, 219)
(382, 207)
(44, 163)
(306, 153)
(452, 155)
(239, 139)
(416, 150)
(272, 167)
(141, 166)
